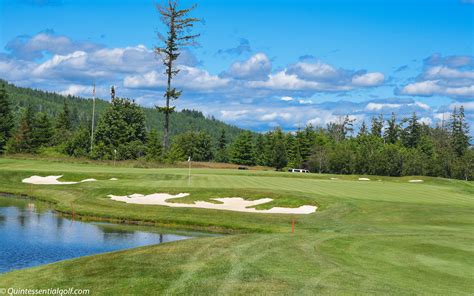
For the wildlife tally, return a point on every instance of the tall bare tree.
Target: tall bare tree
(178, 36)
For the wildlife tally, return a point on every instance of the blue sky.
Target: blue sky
(260, 64)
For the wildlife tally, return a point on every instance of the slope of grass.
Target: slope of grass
(377, 237)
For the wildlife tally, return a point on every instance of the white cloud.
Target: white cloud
(432, 87)
(233, 115)
(451, 76)
(379, 106)
(424, 88)
(189, 78)
(256, 67)
(276, 115)
(443, 72)
(286, 99)
(368, 79)
(283, 81)
(422, 105)
(76, 89)
(315, 71)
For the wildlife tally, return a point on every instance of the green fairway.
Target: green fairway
(384, 236)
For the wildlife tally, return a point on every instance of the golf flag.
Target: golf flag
(189, 159)
(93, 92)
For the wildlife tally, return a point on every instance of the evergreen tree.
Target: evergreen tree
(243, 149)
(393, 130)
(279, 159)
(22, 142)
(377, 126)
(153, 146)
(178, 24)
(64, 122)
(260, 158)
(293, 150)
(221, 155)
(411, 135)
(42, 131)
(6, 118)
(121, 128)
(459, 132)
(63, 126)
(305, 142)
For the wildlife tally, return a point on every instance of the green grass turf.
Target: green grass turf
(377, 237)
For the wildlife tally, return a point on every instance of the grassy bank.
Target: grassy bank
(385, 236)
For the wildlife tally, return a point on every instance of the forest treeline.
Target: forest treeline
(389, 147)
(80, 110)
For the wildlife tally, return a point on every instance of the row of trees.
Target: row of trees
(388, 147)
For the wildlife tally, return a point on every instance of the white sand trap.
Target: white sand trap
(88, 180)
(364, 179)
(334, 178)
(113, 179)
(51, 180)
(415, 181)
(236, 204)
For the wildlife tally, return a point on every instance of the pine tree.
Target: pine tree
(411, 135)
(153, 146)
(377, 126)
(260, 158)
(42, 131)
(293, 150)
(279, 160)
(22, 141)
(243, 149)
(177, 37)
(121, 128)
(393, 130)
(221, 155)
(64, 119)
(6, 118)
(459, 132)
(63, 126)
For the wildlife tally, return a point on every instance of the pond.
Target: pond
(32, 234)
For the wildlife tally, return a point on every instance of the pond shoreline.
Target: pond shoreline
(99, 218)
(34, 234)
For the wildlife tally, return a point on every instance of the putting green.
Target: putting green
(377, 237)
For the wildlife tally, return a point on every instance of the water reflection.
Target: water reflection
(32, 235)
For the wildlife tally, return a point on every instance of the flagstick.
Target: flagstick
(93, 118)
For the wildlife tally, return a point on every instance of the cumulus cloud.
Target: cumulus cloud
(368, 79)
(249, 93)
(333, 78)
(256, 67)
(189, 78)
(47, 42)
(451, 76)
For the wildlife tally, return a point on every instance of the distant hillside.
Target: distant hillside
(81, 109)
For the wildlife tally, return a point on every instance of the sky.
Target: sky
(259, 64)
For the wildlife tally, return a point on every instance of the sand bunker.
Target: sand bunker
(51, 180)
(236, 204)
(415, 181)
(113, 179)
(334, 178)
(364, 179)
